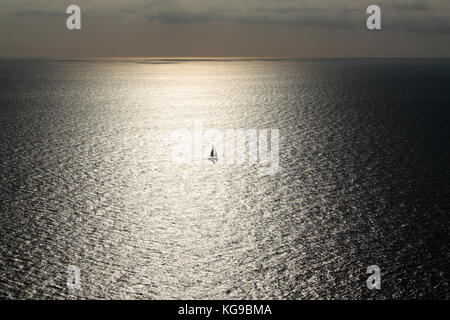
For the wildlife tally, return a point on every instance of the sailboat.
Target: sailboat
(213, 155)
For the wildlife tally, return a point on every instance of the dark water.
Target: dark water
(87, 179)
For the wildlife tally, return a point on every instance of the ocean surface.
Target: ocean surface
(88, 178)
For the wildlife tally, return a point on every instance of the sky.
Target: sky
(224, 28)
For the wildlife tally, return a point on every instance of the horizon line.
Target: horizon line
(217, 58)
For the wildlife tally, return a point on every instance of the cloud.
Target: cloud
(168, 17)
(409, 6)
(415, 16)
(438, 24)
(39, 13)
(410, 16)
(320, 19)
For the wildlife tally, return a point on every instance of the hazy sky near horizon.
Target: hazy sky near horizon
(224, 28)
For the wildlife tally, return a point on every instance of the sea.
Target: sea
(95, 205)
